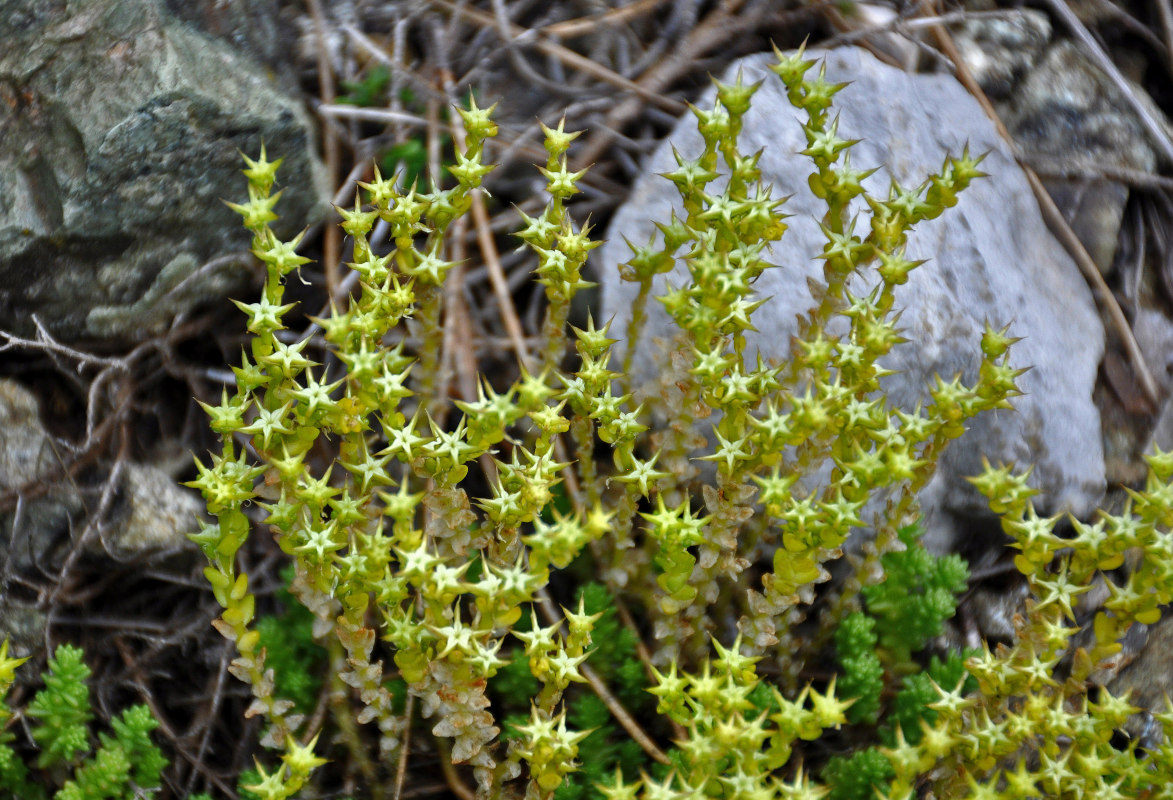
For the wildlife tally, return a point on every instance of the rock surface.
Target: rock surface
(150, 512)
(120, 132)
(39, 519)
(1074, 126)
(990, 258)
(1066, 113)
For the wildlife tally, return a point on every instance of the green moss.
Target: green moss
(371, 90)
(863, 674)
(859, 776)
(120, 764)
(918, 594)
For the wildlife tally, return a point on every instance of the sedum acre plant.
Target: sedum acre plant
(429, 543)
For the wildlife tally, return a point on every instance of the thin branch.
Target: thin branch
(454, 781)
(157, 712)
(621, 716)
(564, 54)
(405, 748)
(721, 25)
(94, 522)
(197, 761)
(1165, 11)
(497, 280)
(584, 26)
(530, 76)
(344, 111)
(1075, 168)
(47, 344)
(420, 86)
(643, 653)
(332, 240)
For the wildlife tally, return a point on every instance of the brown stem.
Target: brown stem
(331, 235)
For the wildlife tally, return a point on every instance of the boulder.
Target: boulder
(121, 128)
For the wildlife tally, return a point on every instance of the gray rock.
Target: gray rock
(1131, 423)
(148, 513)
(1073, 125)
(999, 51)
(257, 27)
(990, 258)
(40, 519)
(120, 133)
(1066, 114)
(157, 513)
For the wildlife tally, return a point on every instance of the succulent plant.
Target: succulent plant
(406, 572)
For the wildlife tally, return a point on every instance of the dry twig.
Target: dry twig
(585, 26)
(329, 142)
(567, 56)
(1165, 10)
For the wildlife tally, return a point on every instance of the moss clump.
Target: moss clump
(123, 763)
